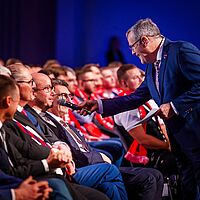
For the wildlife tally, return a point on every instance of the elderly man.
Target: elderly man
(135, 179)
(31, 152)
(172, 80)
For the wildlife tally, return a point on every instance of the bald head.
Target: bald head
(40, 79)
(44, 92)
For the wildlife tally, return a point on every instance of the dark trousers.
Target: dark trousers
(142, 183)
(185, 142)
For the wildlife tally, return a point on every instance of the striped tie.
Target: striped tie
(157, 68)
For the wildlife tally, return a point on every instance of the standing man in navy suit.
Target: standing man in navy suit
(173, 81)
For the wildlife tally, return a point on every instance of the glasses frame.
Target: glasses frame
(132, 47)
(46, 89)
(66, 96)
(31, 82)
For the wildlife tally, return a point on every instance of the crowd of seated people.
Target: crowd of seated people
(58, 147)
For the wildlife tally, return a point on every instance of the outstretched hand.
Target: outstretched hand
(90, 105)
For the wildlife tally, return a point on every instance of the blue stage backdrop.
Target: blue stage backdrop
(84, 27)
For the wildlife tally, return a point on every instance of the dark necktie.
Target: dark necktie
(4, 147)
(157, 68)
(77, 139)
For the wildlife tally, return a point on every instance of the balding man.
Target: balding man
(34, 154)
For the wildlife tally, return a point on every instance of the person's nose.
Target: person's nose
(53, 93)
(140, 79)
(33, 85)
(133, 52)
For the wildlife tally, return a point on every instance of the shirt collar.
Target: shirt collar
(54, 116)
(1, 124)
(19, 108)
(38, 111)
(160, 50)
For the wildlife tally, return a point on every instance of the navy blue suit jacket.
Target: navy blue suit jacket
(6, 183)
(179, 83)
(80, 158)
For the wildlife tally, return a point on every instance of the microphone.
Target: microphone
(73, 106)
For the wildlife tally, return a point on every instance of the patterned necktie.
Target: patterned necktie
(4, 145)
(76, 138)
(157, 68)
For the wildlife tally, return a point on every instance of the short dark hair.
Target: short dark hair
(123, 69)
(59, 82)
(7, 86)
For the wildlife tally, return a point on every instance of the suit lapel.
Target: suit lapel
(158, 96)
(163, 68)
(151, 83)
(24, 120)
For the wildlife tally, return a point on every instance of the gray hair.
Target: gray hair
(5, 71)
(144, 27)
(18, 71)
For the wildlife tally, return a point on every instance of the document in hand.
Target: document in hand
(151, 113)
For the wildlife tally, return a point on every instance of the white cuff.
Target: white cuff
(100, 104)
(173, 107)
(13, 194)
(45, 164)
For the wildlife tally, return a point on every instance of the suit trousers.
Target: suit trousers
(60, 191)
(186, 140)
(104, 177)
(142, 183)
(112, 147)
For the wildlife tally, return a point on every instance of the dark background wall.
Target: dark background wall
(28, 30)
(77, 31)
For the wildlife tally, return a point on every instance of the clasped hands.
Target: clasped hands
(61, 157)
(32, 190)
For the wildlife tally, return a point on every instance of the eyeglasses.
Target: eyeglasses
(132, 47)
(65, 96)
(46, 89)
(31, 82)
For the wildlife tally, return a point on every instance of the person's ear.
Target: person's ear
(144, 41)
(6, 102)
(123, 84)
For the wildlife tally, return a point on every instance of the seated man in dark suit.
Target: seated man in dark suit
(82, 153)
(8, 103)
(22, 126)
